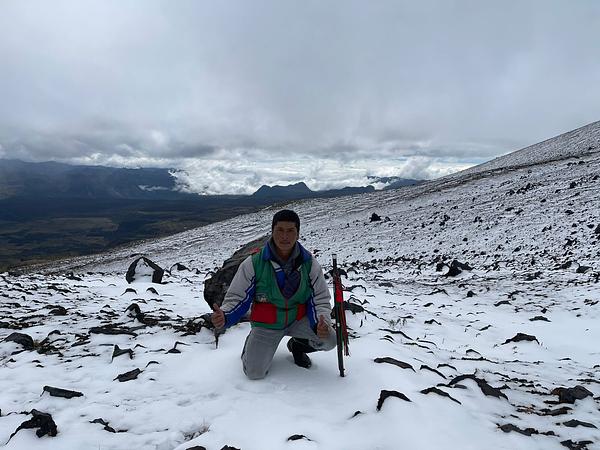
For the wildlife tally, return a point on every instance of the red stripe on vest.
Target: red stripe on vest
(265, 312)
(301, 312)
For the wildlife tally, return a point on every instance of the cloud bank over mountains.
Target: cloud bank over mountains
(241, 94)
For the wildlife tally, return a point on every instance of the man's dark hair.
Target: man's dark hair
(286, 215)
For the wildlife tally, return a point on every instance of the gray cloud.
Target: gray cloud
(232, 86)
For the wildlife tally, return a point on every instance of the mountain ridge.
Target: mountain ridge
(65, 210)
(380, 199)
(51, 179)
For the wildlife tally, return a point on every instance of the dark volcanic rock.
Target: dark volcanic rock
(193, 326)
(174, 349)
(64, 393)
(565, 265)
(432, 321)
(502, 302)
(545, 319)
(375, 218)
(134, 310)
(424, 367)
(507, 428)
(581, 445)
(483, 385)
(353, 307)
(157, 271)
(128, 376)
(395, 362)
(180, 267)
(42, 421)
(521, 337)
(216, 286)
(72, 277)
(439, 392)
(533, 276)
(385, 394)
(117, 351)
(297, 437)
(24, 340)
(58, 311)
(569, 395)
(111, 329)
(397, 332)
(576, 423)
(555, 412)
(107, 427)
(456, 267)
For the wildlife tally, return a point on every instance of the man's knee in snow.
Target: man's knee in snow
(328, 344)
(255, 373)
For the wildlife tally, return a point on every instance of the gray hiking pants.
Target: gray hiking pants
(262, 343)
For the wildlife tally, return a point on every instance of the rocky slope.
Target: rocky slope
(498, 351)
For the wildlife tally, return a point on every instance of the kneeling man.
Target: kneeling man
(284, 287)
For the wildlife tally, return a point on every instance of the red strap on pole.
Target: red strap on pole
(340, 314)
(339, 298)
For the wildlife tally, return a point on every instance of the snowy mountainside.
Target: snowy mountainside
(501, 356)
(549, 208)
(578, 142)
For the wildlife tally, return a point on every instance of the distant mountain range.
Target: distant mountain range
(52, 210)
(57, 180)
(301, 190)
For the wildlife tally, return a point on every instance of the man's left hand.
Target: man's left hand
(322, 328)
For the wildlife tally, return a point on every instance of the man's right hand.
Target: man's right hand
(218, 317)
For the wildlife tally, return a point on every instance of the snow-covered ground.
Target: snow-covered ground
(531, 235)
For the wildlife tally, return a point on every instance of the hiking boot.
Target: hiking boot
(300, 357)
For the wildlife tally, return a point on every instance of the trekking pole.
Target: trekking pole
(217, 331)
(341, 330)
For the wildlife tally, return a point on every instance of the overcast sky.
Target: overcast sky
(245, 93)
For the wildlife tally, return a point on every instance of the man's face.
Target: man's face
(285, 235)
